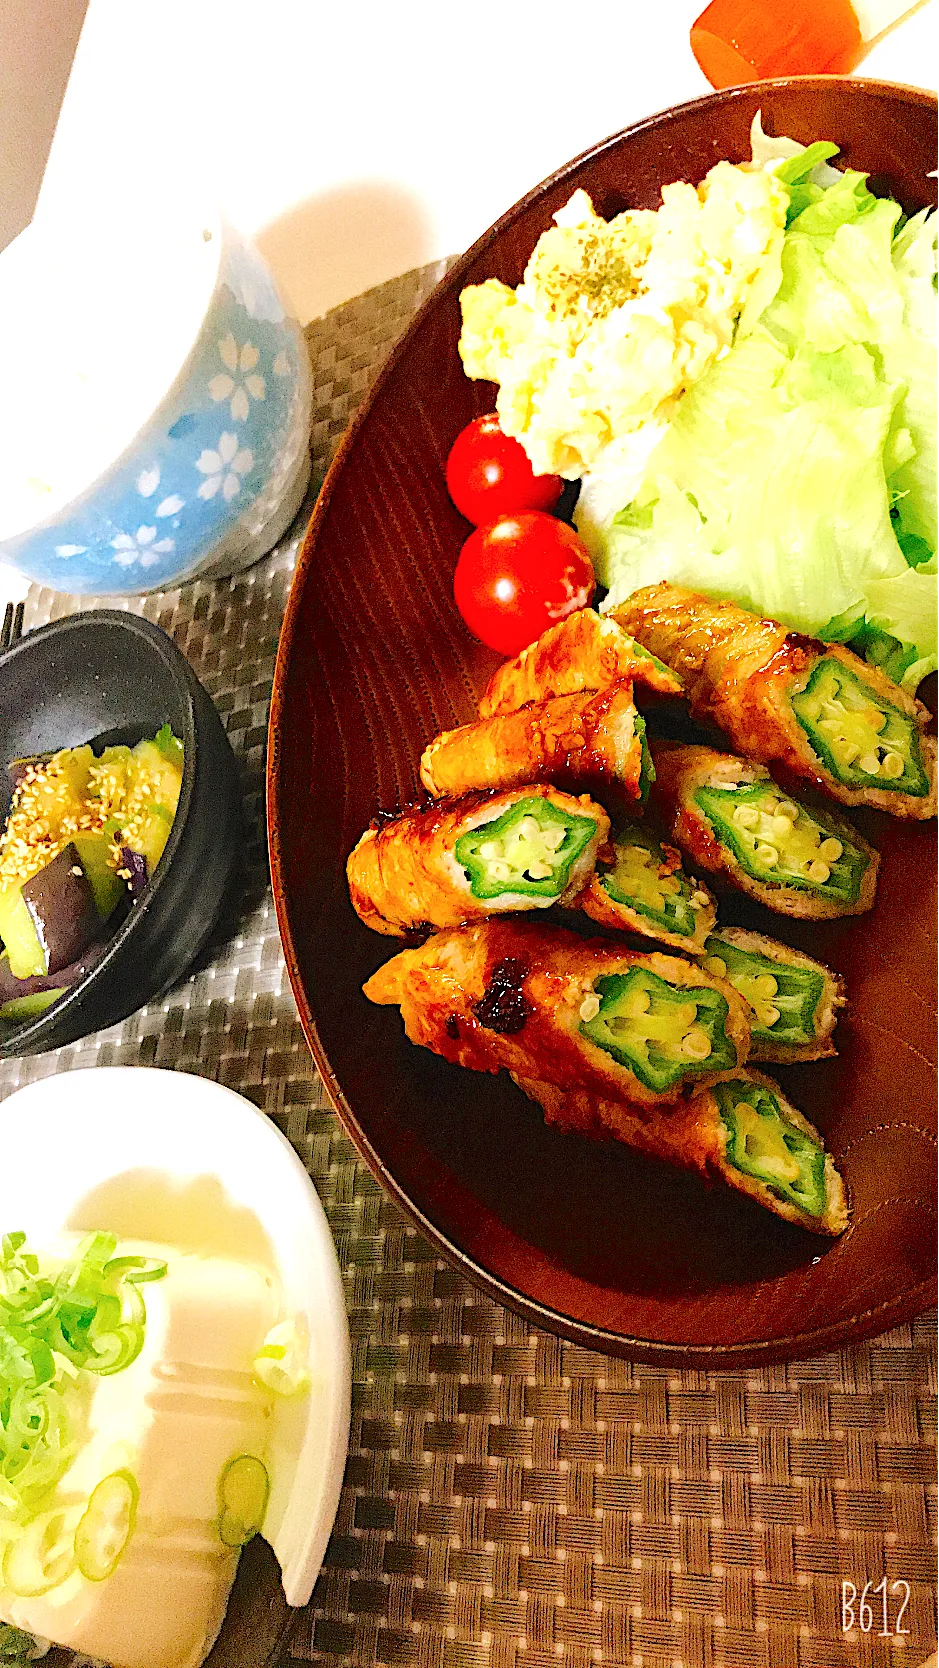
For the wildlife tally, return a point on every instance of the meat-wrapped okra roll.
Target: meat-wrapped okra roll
(589, 738)
(644, 889)
(457, 860)
(742, 1131)
(730, 819)
(794, 1000)
(579, 1013)
(586, 651)
(783, 698)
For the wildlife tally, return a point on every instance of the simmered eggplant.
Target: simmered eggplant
(83, 836)
(61, 906)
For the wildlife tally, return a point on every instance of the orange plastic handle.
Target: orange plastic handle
(746, 40)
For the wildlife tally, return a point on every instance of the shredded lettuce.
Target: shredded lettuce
(799, 475)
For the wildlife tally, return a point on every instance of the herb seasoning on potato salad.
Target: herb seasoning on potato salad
(744, 382)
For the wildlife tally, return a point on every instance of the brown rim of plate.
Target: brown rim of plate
(873, 1318)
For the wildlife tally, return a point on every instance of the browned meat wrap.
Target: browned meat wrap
(730, 819)
(586, 651)
(743, 1132)
(579, 1013)
(782, 698)
(590, 738)
(459, 860)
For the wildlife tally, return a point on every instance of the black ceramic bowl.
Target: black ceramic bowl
(109, 677)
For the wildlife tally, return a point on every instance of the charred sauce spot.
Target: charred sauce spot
(417, 933)
(502, 1007)
(452, 1026)
(414, 807)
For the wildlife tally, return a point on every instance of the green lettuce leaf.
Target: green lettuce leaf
(799, 475)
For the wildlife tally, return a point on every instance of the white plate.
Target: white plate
(165, 1156)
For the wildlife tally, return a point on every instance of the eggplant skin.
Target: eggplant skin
(12, 988)
(62, 905)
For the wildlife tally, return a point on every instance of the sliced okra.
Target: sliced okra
(530, 850)
(784, 999)
(778, 841)
(862, 738)
(647, 879)
(660, 1032)
(764, 1144)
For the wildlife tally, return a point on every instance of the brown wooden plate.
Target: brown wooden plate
(591, 1241)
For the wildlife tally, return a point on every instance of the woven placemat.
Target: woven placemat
(512, 1501)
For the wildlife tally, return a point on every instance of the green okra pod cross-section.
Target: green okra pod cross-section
(763, 1143)
(778, 841)
(793, 999)
(528, 850)
(661, 1032)
(860, 736)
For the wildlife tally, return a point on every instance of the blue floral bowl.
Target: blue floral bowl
(217, 473)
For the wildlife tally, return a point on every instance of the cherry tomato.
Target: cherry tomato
(488, 474)
(519, 575)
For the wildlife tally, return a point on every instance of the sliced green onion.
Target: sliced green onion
(57, 1332)
(243, 1491)
(42, 1555)
(107, 1526)
(136, 1269)
(281, 1362)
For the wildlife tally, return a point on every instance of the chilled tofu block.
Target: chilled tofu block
(168, 1425)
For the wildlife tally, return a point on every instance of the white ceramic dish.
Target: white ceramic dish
(169, 1157)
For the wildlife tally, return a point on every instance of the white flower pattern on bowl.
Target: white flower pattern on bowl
(201, 494)
(143, 547)
(147, 482)
(244, 383)
(224, 467)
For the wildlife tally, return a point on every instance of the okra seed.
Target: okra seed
(765, 985)
(699, 900)
(554, 838)
(696, 1043)
(892, 766)
(830, 850)
(590, 1007)
(786, 808)
(715, 965)
(528, 828)
(768, 856)
(782, 826)
(501, 871)
(490, 849)
(539, 871)
(767, 1014)
(746, 816)
(818, 871)
(870, 764)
